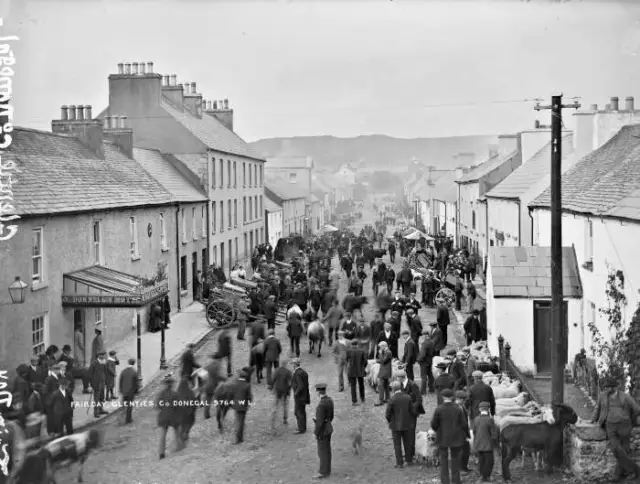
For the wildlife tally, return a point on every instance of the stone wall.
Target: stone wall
(588, 455)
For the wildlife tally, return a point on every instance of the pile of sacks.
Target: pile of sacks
(373, 369)
(520, 410)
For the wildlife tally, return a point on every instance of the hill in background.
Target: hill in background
(378, 151)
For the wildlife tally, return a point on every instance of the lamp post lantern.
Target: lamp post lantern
(18, 291)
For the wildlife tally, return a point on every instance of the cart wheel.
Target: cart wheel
(220, 314)
(446, 296)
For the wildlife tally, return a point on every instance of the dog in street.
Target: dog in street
(356, 439)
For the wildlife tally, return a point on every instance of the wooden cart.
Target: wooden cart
(222, 305)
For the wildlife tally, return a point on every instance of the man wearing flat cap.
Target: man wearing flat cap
(425, 361)
(411, 388)
(98, 380)
(457, 370)
(242, 399)
(452, 430)
(400, 415)
(324, 430)
(51, 385)
(444, 381)
(167, 415)
(461, 399)
(479, 392)
(438, 338)
(301, 397)
(472, 328)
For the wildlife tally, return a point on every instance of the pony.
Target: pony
(542, 436)
(316, 334)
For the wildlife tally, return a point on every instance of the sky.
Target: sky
(344, 68)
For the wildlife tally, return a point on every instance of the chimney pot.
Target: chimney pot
(88, 115)
(209, 105)
(80, 112)
(142, 68)
(114, 122)
(226, 104)
(193, 88)
(150, 67)
(127, 68)
(72, 113)
(614, 103)
(215, 105)
(174, 79)
(594, 107)
(123, 122)
(63, 113)
(134, 68)
(165, 80)
(220, 104)
(120, 68)
(629, 104)
(106, 122)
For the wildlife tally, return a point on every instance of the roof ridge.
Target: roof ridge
(41, 131)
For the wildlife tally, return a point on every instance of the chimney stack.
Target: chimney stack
(142, 69)
(174, 79)
(115, 130)
(593, 107)
(134, 68)
(149, 67)
(127, 68)
(614, 103)
(63, 113)
(120, 68)
(76, 120)
(193, 88)
(72, 113)
(88, 114)
(629, 104)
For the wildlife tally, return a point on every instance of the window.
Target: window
(193, 223)
(229, 173)
(257, 237)
(473, 219)
(262, 235)
(246, 245)
(261, 208)
(235, 212)
(163, 233)
(214, 216)
(236, 242)
(213, 172)
(588, 245)
(183, 272)
(39, 341)
(229, 209)
(255, 201)
(591, 319)
(183, 221)
(255, 175)
(244, 210)
(261, 174)
(230, 255)
(250, 179)
(293, 177)
(133, 232)
(235, 174)
(221, 216)
(97, 315)
(203, 219)
(214, 254)
(244, 174)
(37, 273)
(97, 245)
(250, 210)
(221, 173)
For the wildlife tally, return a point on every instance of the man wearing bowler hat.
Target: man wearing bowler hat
(452, 430)
(324, 430)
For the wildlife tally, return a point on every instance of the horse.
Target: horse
(316, 333)
(540, 436)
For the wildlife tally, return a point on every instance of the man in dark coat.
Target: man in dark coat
(404, 279)
(443, 382)
(294, 330)
(397, 304)
(188, 362)
(301, 397)
(415, 324)
(272, 351)
(186, 410)
(472, 328)
(224, 349)
(479, 392)
(413, 303)
(442, 318)
(167, 415)
(348, 326)
(282, 391)
(35, 373)
(391, 338)
(400, 415)
(270, 311)
(258, 331)
(410, 355)
(438, 339)
(452, 429)
(356, 365)
(128, 385)
(377, 327)
(61, 408)
(425, 360)
(384, 374)
(457, 370)
(324, 430)
(242, 399)
(21, 385)
(392, 252)
(461, 397)
(411, 388)
(98, 379)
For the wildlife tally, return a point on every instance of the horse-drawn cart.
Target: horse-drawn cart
(222, 304)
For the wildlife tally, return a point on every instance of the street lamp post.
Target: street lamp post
(163, 359)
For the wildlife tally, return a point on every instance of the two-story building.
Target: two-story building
(601, 219)
(274, 226)
(197, 137)
(444, 197)
(292, 199)
(96, 242)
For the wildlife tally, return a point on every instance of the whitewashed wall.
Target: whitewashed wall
(503, 217)
(614, 245)
(468, 202)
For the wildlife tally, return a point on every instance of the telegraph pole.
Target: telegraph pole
(558, 330)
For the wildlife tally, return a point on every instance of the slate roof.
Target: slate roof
(286, 191)
(180, 189)
(212, 133)
(58, 174)
(531, 172)
(486, 167)
(606, 181)
(525, 272)
(271, 206)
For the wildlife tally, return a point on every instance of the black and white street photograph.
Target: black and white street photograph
(297, 241)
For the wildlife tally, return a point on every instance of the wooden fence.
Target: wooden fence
(509, 367)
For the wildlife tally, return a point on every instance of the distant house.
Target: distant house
(274, 227)
(296, 170)
(601, 219)
(518, 302)
(293, 200)
(347, 173)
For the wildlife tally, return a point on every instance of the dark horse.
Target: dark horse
(539, 436)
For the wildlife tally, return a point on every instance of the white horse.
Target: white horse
(316, 334)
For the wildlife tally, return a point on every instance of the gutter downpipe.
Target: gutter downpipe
(530, 210)
(519, 222)
(208, 235)
(178, 255)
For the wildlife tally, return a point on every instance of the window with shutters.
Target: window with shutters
(214, 217)
(133, 237)
(39, 334)
(213, 173)
(244, 210)
(193, 223)
(97, 243)
(250, 210)
(235, 175)
(221, 216)
(221, 173)
(203, 220)
(255, 175)
(228, 173)
(37, 270)
(255, 202)
(244, 174)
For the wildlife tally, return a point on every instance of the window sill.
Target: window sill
(135, 257)
(184, 242)
(164, 249)
(184, 292)
(39, 286)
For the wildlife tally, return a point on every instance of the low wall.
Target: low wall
(587, 453)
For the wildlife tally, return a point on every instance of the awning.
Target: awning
(101, 287)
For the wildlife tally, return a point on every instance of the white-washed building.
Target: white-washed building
(273, 215)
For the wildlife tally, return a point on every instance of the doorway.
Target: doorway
(194, 274)
(205, 259)
(543, 335)
(79, 337)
